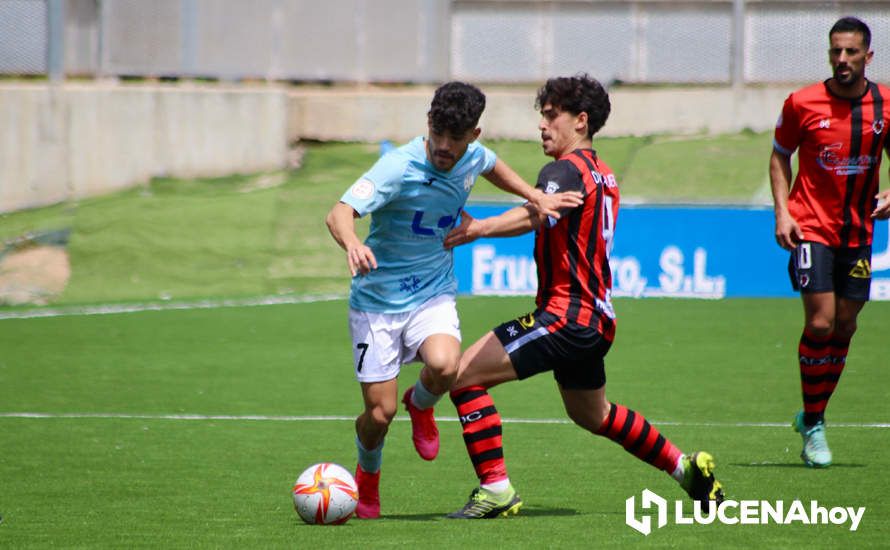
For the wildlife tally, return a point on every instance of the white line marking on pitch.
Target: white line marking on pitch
(269, 418)
(111, 309)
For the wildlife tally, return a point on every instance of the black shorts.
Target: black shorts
(815, 267)
(540, 341)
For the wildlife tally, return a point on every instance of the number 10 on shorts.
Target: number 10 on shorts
(804, 256)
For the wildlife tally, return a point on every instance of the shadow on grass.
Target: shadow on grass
(413, 517)
(800, 465)
(527, 511)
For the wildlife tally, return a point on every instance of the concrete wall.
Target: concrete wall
(373, 114)
(77, 140)
(73, 141)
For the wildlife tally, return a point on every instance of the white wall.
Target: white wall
(78, 140)
(371, 114)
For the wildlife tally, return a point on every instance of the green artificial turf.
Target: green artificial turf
(187, 428)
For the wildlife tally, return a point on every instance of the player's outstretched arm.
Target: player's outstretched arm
(341, 223)
(882, 210)
(504, 177)
(788, 233)
(515, 221)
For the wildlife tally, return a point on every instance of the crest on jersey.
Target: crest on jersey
(878, 126)
(363, 189)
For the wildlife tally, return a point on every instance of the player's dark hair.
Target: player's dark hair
(577, 94)
(852, 24)
(456, 108)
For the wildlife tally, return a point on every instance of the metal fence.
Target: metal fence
(491, 41)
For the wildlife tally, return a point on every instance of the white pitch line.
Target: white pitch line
(312, 418)
(111, 309)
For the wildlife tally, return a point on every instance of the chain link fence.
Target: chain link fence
(23, 37)
(426, 41)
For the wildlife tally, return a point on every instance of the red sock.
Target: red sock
(838, 353)
(814, 356)
(641, 439)
(482, 432)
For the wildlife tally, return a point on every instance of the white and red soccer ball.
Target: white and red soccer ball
(325, 493)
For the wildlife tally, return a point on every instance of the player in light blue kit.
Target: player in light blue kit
(402, 304)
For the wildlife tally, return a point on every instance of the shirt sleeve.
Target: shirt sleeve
(377, 186)
(787, 134)
(488, 160)
(558, 177)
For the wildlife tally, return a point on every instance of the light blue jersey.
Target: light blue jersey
(413, 206)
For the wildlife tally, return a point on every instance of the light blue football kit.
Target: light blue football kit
(413, 206)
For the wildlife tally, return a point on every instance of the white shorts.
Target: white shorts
(383, 342)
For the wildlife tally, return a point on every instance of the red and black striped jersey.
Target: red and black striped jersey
(839, 143)
(572, 253)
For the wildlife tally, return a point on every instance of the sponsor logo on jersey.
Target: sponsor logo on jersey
(362, 189)
(829, 159)
(862, 270)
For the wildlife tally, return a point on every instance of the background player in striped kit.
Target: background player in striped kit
(573, 326)
(401, 299)
(839, 128)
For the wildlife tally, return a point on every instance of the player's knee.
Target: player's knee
(443, 364)
(381, 415)
(820, 327)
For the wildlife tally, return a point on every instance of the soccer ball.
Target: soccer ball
(325, 493)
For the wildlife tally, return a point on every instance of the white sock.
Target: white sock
(422, 398)
(497, 486)
(369, 459)
(679, 471)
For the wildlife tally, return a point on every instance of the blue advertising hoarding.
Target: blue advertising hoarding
(676, 251)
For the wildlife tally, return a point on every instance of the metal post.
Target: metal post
(189, 29)
(738, 43)
(55, 47)
(102, 39)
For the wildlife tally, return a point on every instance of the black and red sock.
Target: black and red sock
(633, 432)
(815, 358)
(482, 432)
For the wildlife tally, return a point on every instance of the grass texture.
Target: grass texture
(129, 467)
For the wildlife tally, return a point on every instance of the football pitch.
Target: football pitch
(187, 428)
